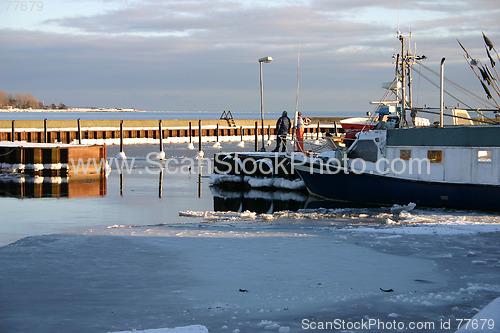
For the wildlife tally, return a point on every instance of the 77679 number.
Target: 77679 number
(24, 6)
(476, 324)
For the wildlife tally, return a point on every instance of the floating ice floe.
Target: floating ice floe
(222, 216)
(185, 329)
(396, 209)
(421, 223)
(309, 214)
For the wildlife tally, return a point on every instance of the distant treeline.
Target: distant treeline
(24, 101)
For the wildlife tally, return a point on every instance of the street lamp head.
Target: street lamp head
(266, 59)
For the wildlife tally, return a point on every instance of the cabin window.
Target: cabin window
(484, 156)
(365, 150)
(405, 154)
(435, 156)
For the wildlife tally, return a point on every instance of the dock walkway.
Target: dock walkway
(147, 131)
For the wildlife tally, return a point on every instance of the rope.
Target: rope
(459, 87)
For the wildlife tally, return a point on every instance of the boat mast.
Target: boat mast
(407, 60)
(403, 81)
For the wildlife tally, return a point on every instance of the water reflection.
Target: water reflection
(315, 203)
(257, 201)
(160, 185)
(24, 186)
(200, 182)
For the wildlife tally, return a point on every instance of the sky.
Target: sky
(203, 55)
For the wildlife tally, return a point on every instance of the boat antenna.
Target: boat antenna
(298, 80)
(399, 10)
(297, 96)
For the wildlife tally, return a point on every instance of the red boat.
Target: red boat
(352, 126)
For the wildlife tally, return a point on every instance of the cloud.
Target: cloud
(203, 54)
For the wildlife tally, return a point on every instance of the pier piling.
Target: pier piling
(122, 153)
(199, 135)
(13, 135)
(190, 133)
(79, 131)
(256, 137)
(45, 131)
(160, 128)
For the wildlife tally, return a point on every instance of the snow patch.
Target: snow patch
(121, 155)
(484, 320)
(257, 182)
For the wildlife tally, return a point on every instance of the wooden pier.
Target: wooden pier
(51, 160)
(108, 131)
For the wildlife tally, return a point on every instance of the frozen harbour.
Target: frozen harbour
(132, 261)
(248, 276)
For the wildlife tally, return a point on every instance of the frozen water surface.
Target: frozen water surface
(132, 260)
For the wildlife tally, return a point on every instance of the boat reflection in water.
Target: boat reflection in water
(24, 186)
(257, 201)
(268, 202)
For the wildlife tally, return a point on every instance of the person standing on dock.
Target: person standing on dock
(282, 129)
(299, 132)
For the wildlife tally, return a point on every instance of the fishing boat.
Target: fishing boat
(401, 160)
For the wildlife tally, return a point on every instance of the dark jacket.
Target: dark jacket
(283, 125)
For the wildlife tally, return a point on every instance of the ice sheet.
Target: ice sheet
(186, 329)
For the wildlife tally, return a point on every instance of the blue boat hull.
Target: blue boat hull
(380, 190)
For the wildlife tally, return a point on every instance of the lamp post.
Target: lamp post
(261, 60)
